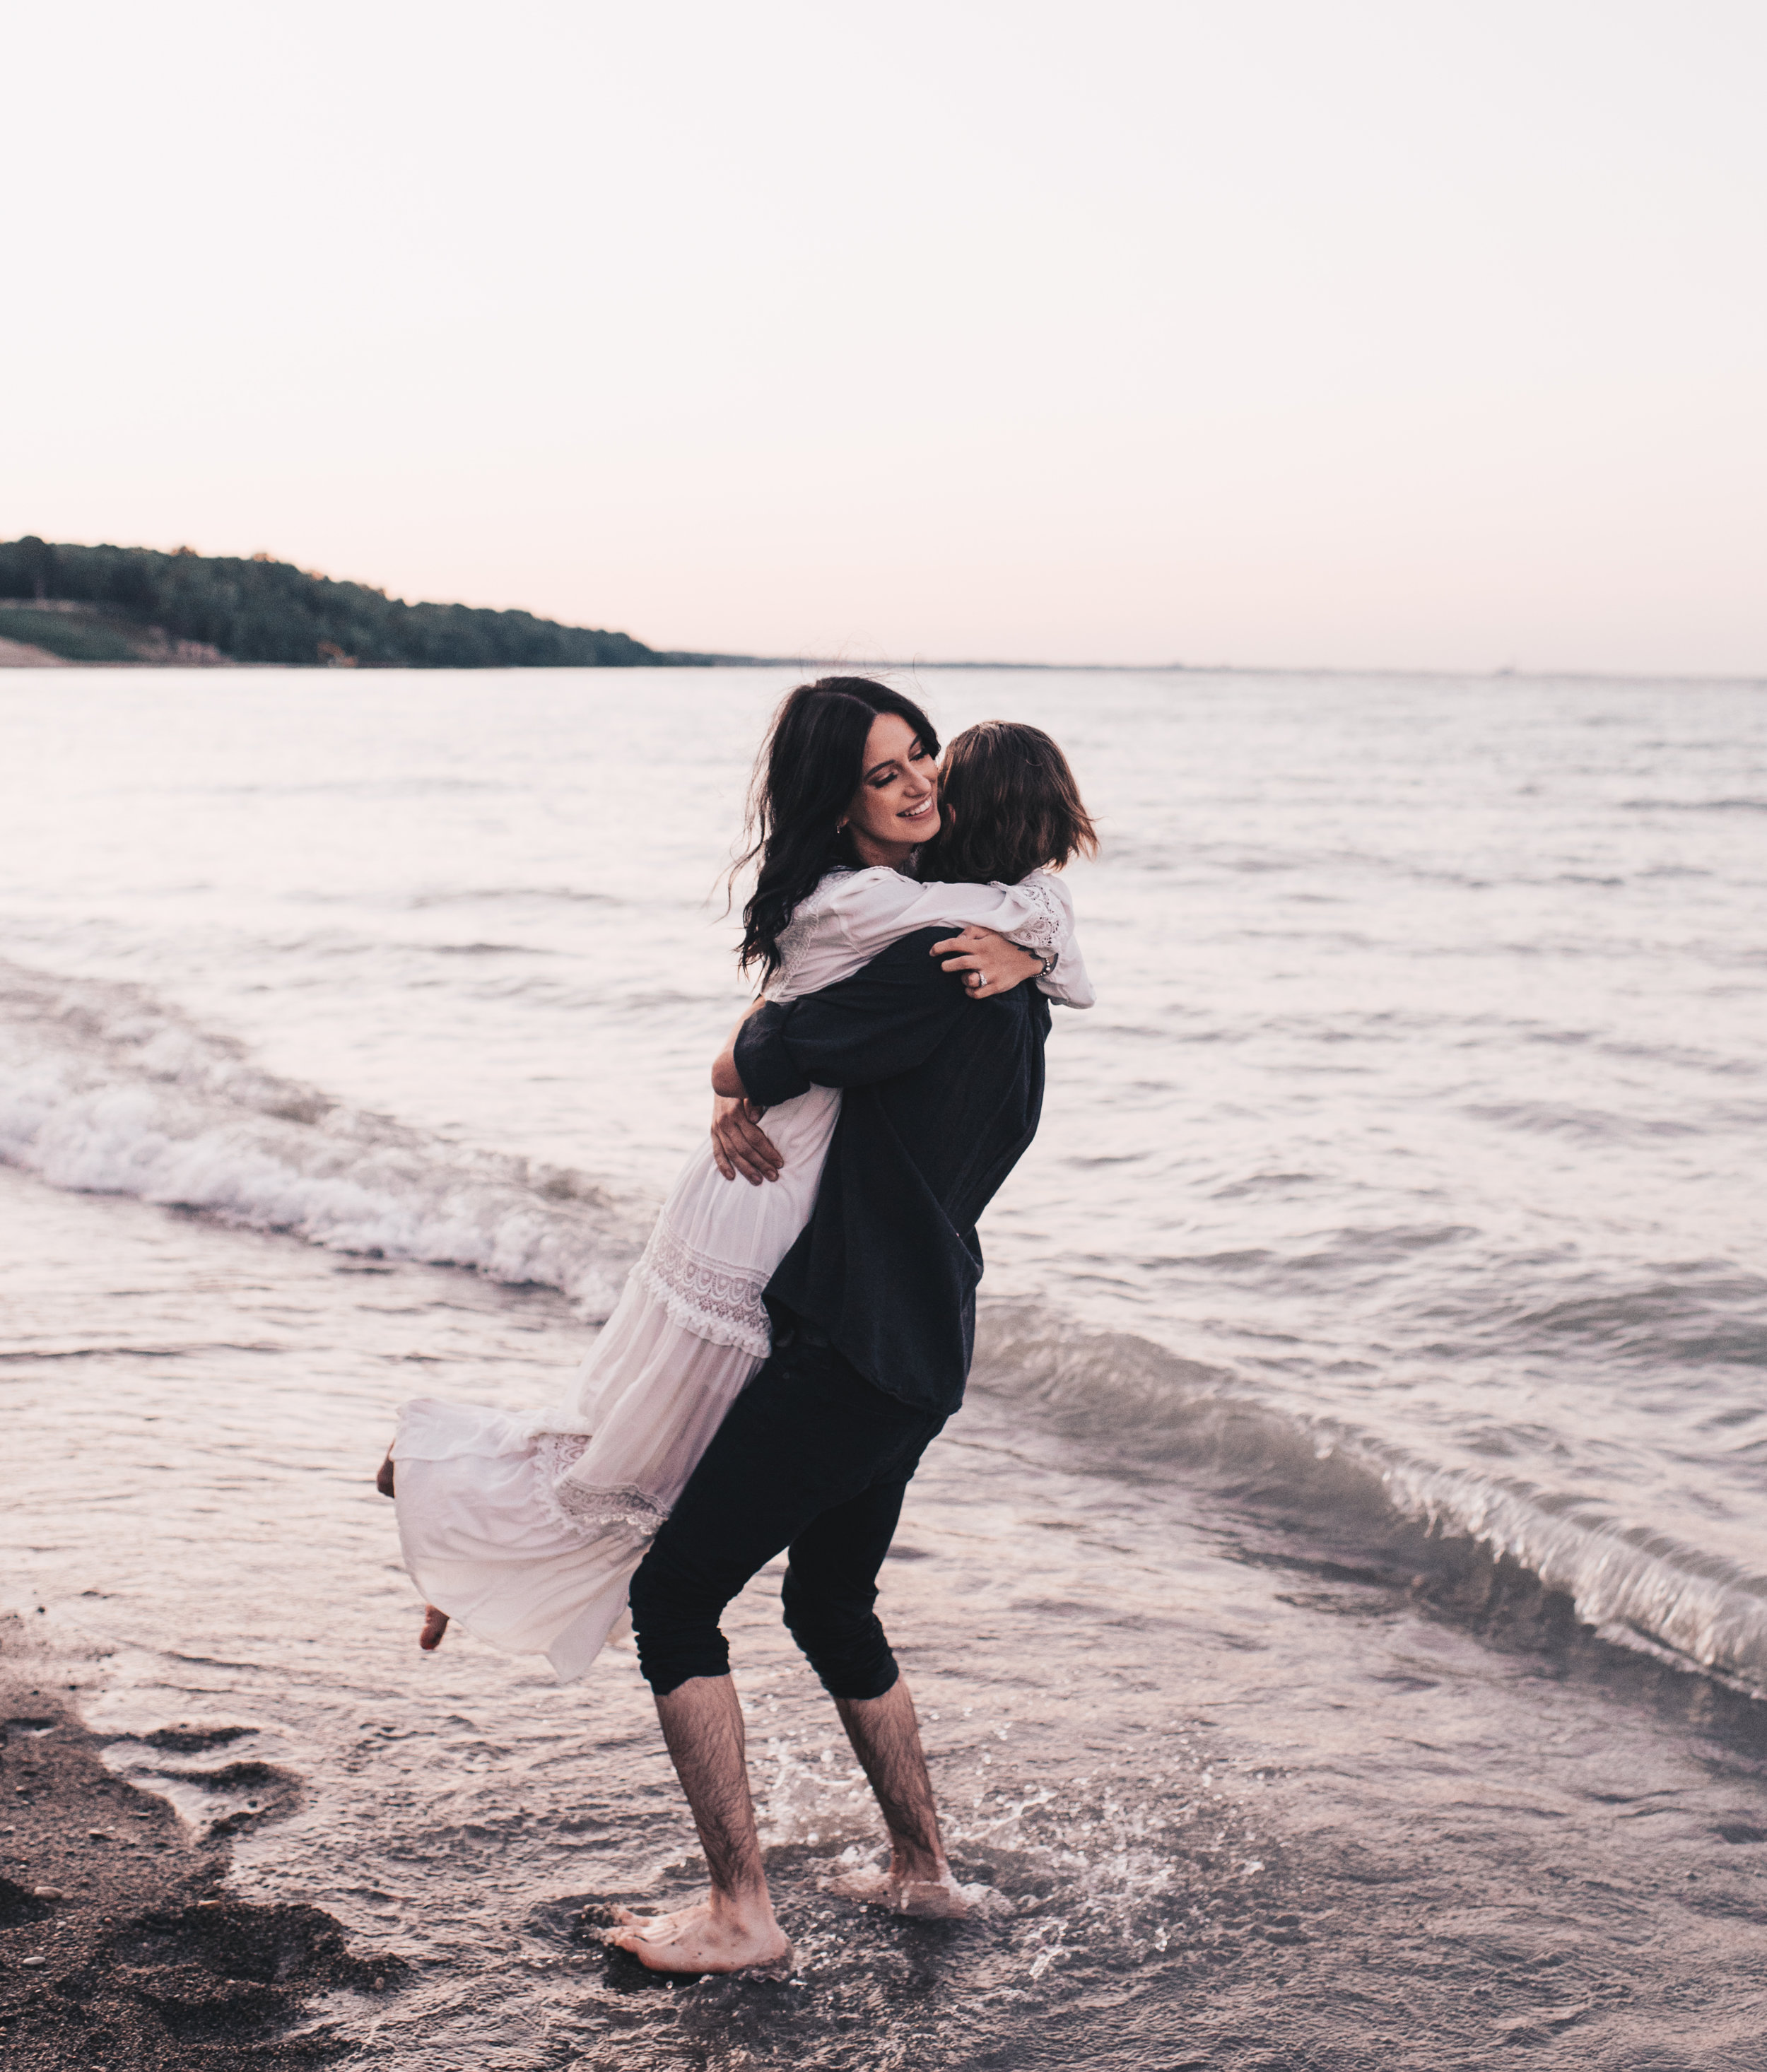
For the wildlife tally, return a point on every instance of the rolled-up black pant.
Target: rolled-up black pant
(813, 1457)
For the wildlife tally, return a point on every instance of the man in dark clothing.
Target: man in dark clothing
(943, 1095)
(874, 1317)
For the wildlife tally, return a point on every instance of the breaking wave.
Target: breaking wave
(1632, 1583)
(107, 1090)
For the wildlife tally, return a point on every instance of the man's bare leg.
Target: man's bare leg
(435, 1623)
(886, 1737)
(734, 1927)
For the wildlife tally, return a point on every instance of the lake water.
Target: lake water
(1340, 1612)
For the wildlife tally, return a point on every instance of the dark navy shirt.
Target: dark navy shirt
(942, 1095)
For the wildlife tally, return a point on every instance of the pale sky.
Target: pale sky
(1360, 333)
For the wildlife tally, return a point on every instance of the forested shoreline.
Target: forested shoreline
(264, 611)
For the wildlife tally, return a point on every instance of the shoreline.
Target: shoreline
(21, 655)
(119, 1943)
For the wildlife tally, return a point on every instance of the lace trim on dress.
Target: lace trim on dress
(585, 1508)
(713, 1299)
(1046, 931)
(796, 936)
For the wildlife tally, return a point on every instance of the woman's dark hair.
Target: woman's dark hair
(808, 767)
(1007, 805)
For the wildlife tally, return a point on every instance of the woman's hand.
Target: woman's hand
(738, 1143)
(989, 963)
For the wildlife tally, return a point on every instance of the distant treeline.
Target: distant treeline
(266, 610)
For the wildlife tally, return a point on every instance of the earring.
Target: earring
(840, 827)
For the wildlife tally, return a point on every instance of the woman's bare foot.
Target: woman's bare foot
(435, 1623)
(711, 1936)
(926, 1899)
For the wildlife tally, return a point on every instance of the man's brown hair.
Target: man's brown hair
(1008, 805)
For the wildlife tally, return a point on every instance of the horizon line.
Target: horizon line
(1508, 670)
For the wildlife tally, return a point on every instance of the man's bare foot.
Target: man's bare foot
(383, 1480)
(707, 1936)
(926, 1899)
(435, 1624)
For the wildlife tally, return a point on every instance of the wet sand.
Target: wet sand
(119, 1947)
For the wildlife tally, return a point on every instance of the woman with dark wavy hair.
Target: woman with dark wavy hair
(528, 1529)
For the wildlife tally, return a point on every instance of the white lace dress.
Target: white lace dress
(526, 1529)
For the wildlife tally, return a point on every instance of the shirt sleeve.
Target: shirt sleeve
(876, 1025)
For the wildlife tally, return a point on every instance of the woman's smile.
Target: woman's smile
(896, 806)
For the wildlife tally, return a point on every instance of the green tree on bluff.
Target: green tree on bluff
(262, 609)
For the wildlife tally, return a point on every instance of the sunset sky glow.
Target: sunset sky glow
(1386, 333)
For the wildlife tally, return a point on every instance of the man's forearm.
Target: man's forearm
(726, 1079)
(875, 1026)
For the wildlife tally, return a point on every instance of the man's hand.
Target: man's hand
(739, 1144)
(990, 964)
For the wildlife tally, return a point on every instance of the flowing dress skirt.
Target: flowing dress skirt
(526, 1529)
